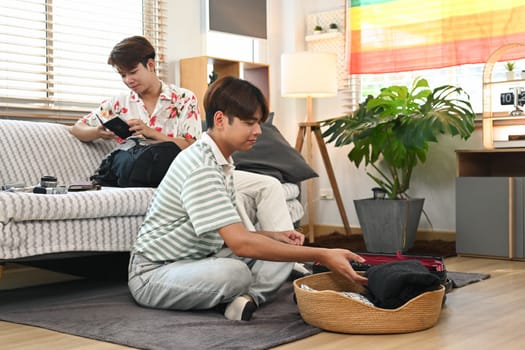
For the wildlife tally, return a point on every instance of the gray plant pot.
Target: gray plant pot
(389, 225)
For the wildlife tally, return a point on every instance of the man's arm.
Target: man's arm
(290, 236)
(87, 133)
(138, 127)
(246, 244)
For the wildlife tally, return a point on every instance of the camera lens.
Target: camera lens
(48, 181)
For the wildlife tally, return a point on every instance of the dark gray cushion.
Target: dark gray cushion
(272, 155)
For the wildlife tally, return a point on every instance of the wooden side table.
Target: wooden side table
(490, 202)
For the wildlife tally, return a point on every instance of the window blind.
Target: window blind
(54, 52)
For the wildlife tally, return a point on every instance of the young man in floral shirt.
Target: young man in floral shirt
(159, 111)
(152, 108)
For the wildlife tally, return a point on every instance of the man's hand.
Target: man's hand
(104, 133)
(290, 237)
(338, 260)
(139, 128)
(86, 133)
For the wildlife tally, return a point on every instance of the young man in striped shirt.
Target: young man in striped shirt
(192, 251)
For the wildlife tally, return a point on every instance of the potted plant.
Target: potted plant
(391, 133)
(318, 29)
(333, 28)
(509, 66)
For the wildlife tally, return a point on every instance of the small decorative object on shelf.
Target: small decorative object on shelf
(509, 66)
(518, 101)
(523, 74)
(318, 29)
(213, 76)
(515, 98)
(333, 28)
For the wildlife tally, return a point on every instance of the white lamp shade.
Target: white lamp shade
(308, 74)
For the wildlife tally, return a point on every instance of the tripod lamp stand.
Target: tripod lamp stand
(308, 75)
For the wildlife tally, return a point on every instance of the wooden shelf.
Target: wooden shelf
(194, 74)
(490, 210)
(491, 162)
(490, 183)
(494, 122)
(323, 36)
(505, 82)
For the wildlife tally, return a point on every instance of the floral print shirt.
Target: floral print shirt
(176, 113)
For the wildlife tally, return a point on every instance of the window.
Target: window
(469, 77)
(419, 38)
(54, 52)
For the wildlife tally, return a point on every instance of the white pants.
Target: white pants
(266, 194)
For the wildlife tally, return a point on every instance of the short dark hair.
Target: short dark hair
(128, 53)
(235, 98)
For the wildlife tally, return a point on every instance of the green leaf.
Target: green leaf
(391, 132)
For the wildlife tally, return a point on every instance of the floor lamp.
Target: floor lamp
(308, 75)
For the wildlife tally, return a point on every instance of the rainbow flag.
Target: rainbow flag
(388, 36)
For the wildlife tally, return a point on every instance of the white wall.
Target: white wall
(435, 180)
(186, 33)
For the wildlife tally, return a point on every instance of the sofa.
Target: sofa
(35, 226)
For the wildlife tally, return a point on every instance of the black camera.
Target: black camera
(49, 185)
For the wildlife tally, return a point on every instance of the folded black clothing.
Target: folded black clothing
(391, 285)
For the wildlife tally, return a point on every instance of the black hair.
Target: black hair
(128, 53)
(235, 98)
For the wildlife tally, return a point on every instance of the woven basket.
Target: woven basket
(327, 309)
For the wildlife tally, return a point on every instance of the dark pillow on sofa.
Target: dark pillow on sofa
(272, 155)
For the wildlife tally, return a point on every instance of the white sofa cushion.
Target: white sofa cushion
(108, 202)
(74, 205)
(33, 149)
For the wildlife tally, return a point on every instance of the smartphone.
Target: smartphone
(82, 186)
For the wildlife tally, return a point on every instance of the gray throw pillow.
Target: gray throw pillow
(272, 155)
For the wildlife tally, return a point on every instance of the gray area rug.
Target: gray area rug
(106, 311)
(461, 279)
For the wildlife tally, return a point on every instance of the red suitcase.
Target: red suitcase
(434, 264)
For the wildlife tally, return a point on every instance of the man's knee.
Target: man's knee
(271, 184)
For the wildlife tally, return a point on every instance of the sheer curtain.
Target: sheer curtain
(404, 35)
(446, 42)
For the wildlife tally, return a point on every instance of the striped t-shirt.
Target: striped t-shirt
(195, 199)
